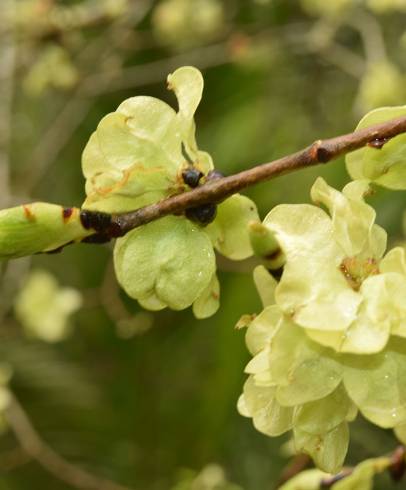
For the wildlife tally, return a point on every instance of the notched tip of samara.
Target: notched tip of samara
(169, 84)
(245, 321)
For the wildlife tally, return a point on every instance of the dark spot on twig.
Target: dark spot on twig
(117, 227)
(95, 220)
(323, 155)
(320, 153)
(106, 225)
(378, 143)
(66, 214)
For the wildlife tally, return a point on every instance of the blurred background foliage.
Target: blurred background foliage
(149, 400)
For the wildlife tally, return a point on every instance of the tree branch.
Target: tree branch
(33, 445)
(215, 191)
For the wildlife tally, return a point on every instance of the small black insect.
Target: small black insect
(96, 220)
(203, 214)
(191, 176)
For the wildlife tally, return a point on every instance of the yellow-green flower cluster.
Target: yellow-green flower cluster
(338, 284)
(44, 307)
(296, 384)
(331, 339)
(137, 156)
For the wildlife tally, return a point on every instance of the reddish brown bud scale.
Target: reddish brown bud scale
(66, 214)
(28, 213)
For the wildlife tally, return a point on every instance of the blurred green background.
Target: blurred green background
(128, 395)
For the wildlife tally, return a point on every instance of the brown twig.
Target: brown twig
(33, 445)
(329, 482)
(396, 469)
(13, 459)
(321, 151)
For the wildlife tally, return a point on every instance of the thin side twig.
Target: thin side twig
(15, 458)
(36, 448)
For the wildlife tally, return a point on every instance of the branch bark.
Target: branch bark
(37, 449)
(215, 191)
